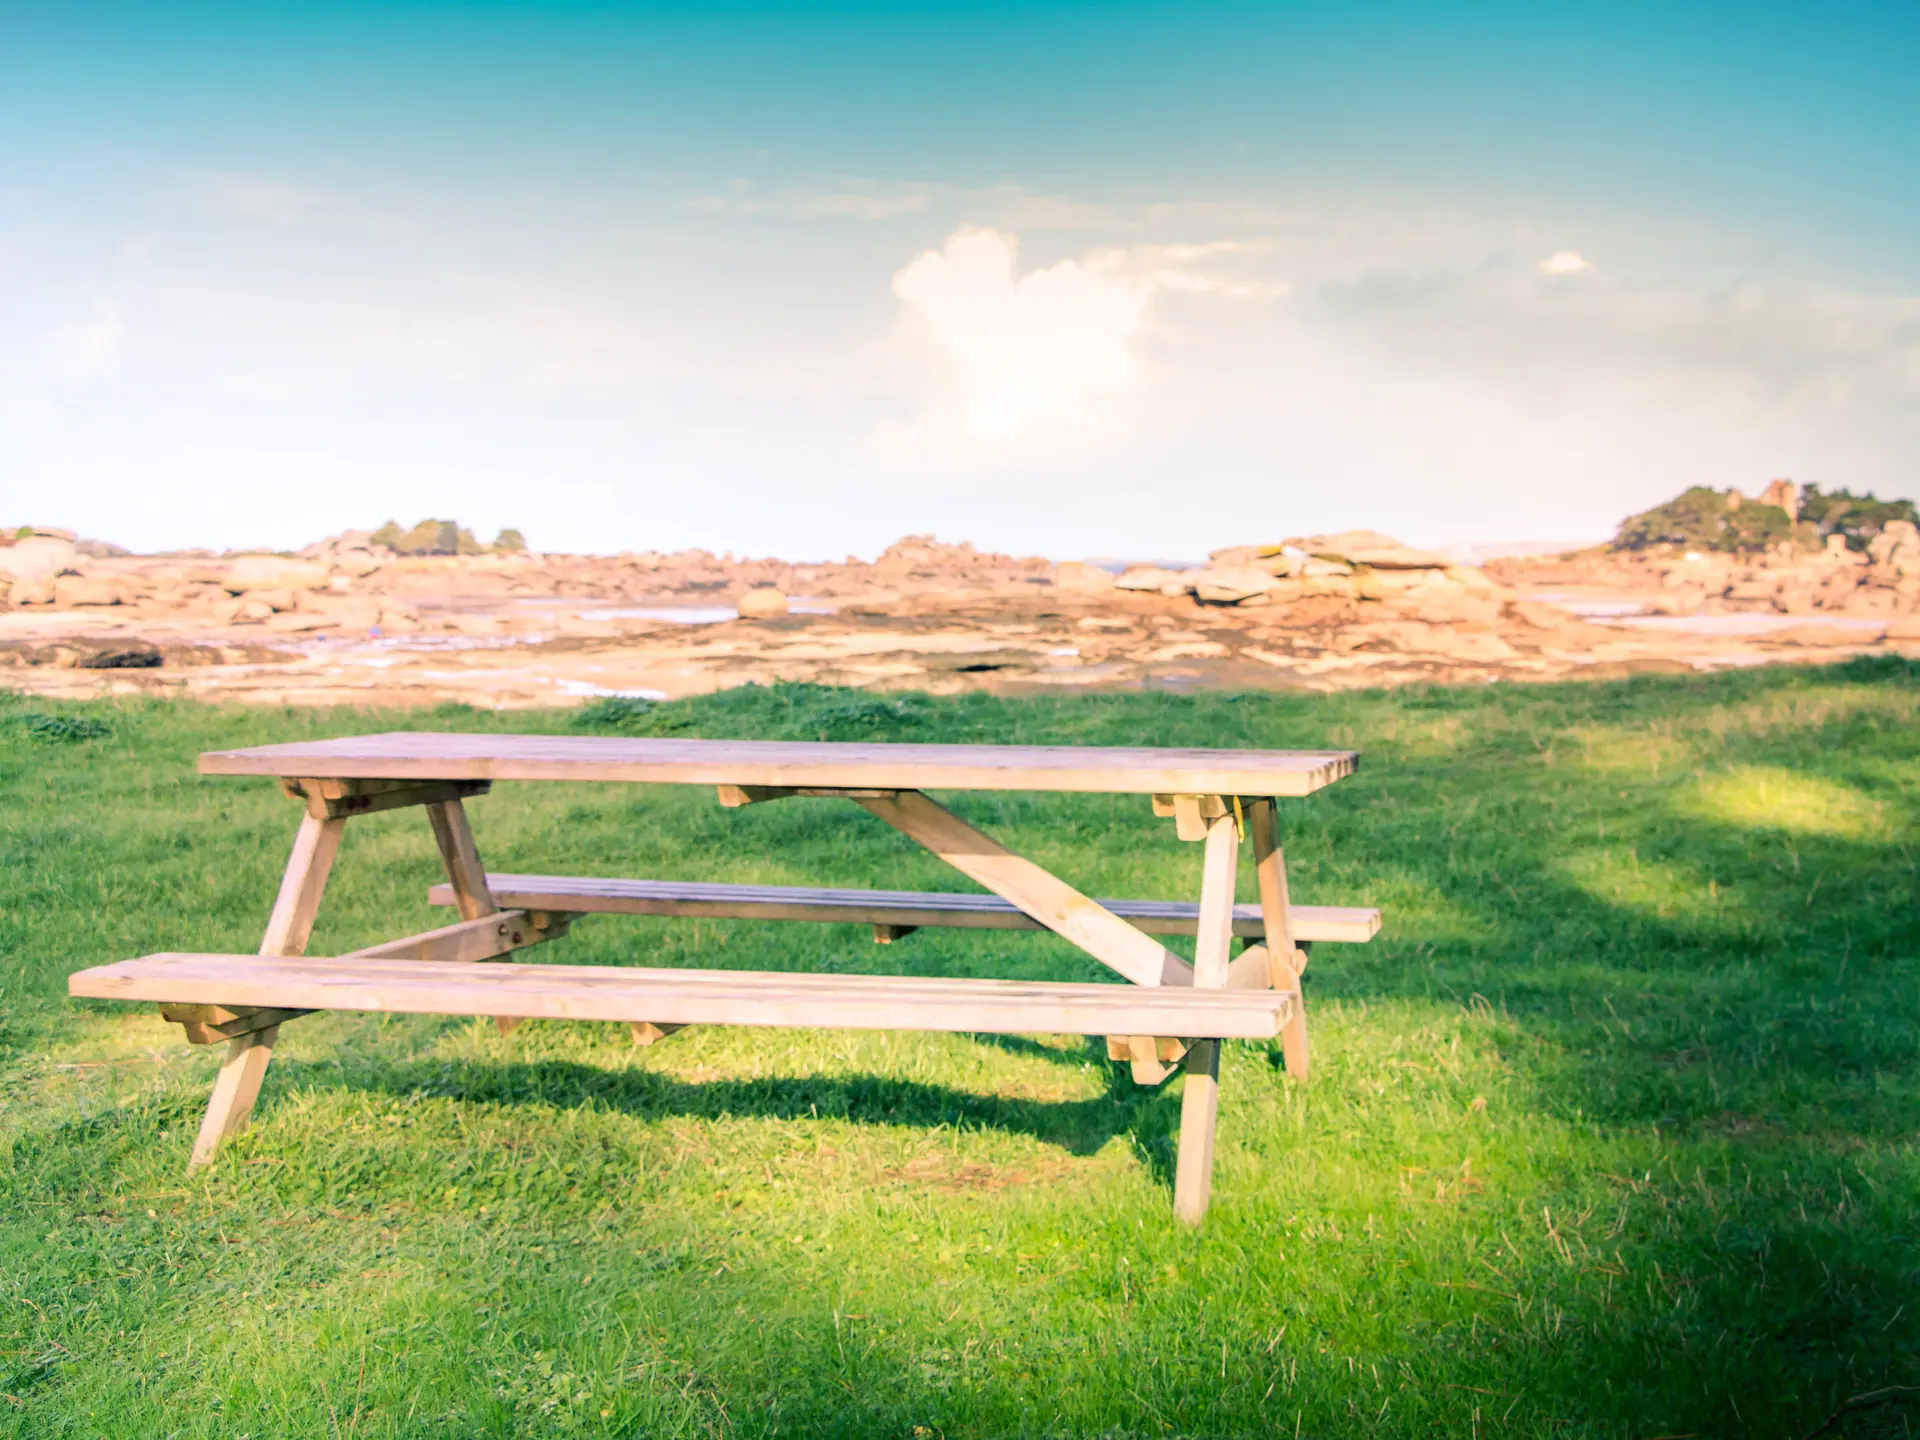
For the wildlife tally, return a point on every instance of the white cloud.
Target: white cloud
(86, 350)
(1565, 262)
(1030, 349)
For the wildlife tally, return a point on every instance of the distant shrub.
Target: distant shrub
(429, 537)
(1857, 518)
(442, 537)
(1703, 518)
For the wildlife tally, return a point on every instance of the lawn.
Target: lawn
(1612, 1131)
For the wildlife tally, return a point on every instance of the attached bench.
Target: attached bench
(1173, 1014)
(687, 997)
(891, 913)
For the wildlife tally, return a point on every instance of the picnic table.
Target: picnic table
(1169, 1019)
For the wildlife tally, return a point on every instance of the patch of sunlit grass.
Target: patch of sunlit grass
(1776, 797)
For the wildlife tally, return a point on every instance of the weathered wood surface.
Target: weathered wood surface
(485, 937)
(302, 884)
(1285, 935)
(684, 997)
(1040, 893)
(338, 799)
(1199, 1113)
(708, 900)
(427, 755)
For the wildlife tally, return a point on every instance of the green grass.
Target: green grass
(1612, 1131)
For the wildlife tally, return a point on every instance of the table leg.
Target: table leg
(1283, 955)
(288, 930)
(1200, 1102)
(458, 852)
(1199, 1109)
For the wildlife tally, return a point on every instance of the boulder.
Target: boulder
(74, 590)
(36, 557)
(1447, 604)
(763, 603)
(1078, 576)
(250, 573)
(36, 590)
(1329, 583)
(1231, 584)
(1542, 616)
(355, 564)
(1370, 547)
(1152, 578)
(1235, 555)
(1680, 600)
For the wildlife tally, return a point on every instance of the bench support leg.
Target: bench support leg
(1199, 1109)
(1285, 958)
(461, 855)
(1200, 1104)
(288, 930)
(234, 1092)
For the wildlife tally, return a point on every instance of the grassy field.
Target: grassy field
(1612, 1132)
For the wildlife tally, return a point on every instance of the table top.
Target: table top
(430, 755)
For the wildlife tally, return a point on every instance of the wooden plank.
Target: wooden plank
(711, 900)
(289, 928)
(735, 796)
(486, 937)
(235, 1090)
(1199, 1113)
(645, 1032)
(468, 877)
(337, 799)
(706, 997)
(1044, 896)
(1214, 941)
(462, 859)
(426, 755)
(1200, 1099)
(1270, 868)
(210, 1024)
(301, 886)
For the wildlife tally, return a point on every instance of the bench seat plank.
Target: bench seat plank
(1113, 770)
(693, 898)
(688, 997)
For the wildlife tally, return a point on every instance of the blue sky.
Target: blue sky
(1114, 279)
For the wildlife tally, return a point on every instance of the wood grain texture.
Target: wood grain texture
(710, 900)
(234, 1091)
(485, 937)
(302, 885)
(338, 799)
(427, 755)
(1199, 1114)
(1283, 953)
(1214, 942)
(1041, 894)
(673, 997)
(461, 856)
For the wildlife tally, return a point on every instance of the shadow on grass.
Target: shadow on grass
(1146, 1119)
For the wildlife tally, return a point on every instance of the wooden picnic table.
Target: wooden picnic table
(1169, 1019)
